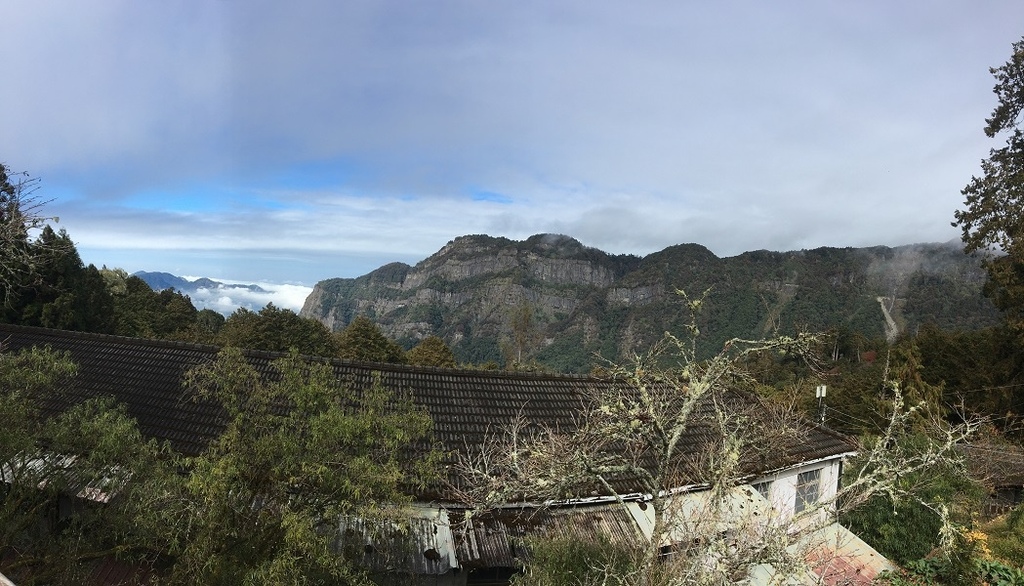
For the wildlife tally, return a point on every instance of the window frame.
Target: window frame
(808, 489)
(763, 488)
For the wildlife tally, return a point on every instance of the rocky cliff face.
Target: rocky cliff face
(551, 299)
(473, 284)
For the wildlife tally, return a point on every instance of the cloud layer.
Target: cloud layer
(301, 141)
(226, 298)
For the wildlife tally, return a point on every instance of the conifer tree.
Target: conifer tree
(993, 214)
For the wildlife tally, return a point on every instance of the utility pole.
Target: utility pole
(819, 392)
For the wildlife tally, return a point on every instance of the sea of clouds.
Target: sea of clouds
(231, 295)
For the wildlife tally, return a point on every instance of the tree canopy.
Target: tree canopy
(59, 291)
(432, 351)
(276, 330)
(301, 450)
(20, 217)
(74, 482)
(993, 214)
(363, 340)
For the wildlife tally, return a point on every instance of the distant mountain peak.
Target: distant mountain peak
(158, 281)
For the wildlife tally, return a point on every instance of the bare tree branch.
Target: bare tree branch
(21, 217)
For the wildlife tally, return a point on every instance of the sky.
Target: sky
(290, 142)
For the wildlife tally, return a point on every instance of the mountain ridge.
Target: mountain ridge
(159, 281)
(552, 299)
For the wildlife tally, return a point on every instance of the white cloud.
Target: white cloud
(739, 124)
(227, 298)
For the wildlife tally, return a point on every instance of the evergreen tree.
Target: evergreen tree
(276, 330)
(144, 313)
(252, 509)
(993, 214)
(60, 292)
(91, 453)
(19, 217)
(432, 351)
(363, 340)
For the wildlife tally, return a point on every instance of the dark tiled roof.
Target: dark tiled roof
(465, 405)
(145, 375)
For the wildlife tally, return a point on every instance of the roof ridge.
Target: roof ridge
(272, 355)
(129, 340)
(460, 371)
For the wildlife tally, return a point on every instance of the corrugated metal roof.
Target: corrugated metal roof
(465, 405)
(57, 470)
(421, 543)
(497, 540)
(490, 542)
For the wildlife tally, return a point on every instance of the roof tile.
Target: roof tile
(465, 405)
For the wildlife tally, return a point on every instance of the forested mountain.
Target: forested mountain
(552, 300)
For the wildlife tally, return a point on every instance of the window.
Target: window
(764, 489)
(807, 489)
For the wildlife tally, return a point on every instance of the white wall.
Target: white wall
(782, 494)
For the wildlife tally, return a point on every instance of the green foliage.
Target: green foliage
(940, 571)
(1006, 537)
(483, 350)
(209, 323)
(362, 340)
(260, 506)
(431, 314)
(568, 354)
(43, 281)
(993, 214)
(20, 256)
(58, 291)
(300, 450)
(901, 531)
(524, 334)
(981, 371)
(563, 561)
(76, 478)
(24, 378)
(904, 529)
(432, 351)
(950, 302)
(978, 373)
(276, 330)
(143, 313)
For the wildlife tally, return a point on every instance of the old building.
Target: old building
(465, 405)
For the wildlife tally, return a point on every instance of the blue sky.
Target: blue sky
(298, 141)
